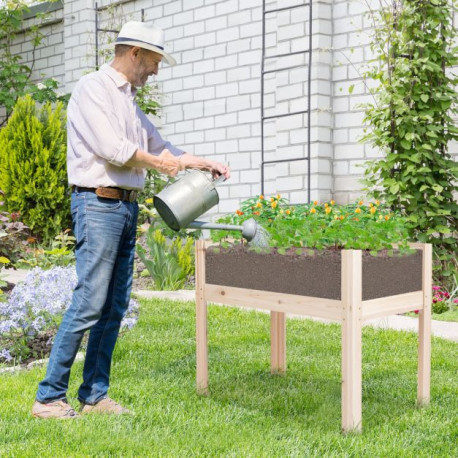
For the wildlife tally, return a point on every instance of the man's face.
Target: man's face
(147, 65)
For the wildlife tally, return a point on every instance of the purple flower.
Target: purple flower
(5, 354)
(37, 304)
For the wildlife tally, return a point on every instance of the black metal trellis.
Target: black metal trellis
(309, 77)
(99, 29)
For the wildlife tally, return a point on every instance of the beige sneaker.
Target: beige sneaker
(57, 409)
(106, 405)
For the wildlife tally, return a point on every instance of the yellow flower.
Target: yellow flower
(373, 210)
(358, 210)
(274, 204)
(380, 217)
(261, 197)
(360, 202)
(387, 217)
(312, 210)
(332, 202)
(149, 201)
(281, 212)
(377, 202)
(326, 205)
(272, 199)
(278, 196)
(259, 205)
(327, 210)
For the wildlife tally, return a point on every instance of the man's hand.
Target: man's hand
(166, 162)
(169, 164)
(217, 169)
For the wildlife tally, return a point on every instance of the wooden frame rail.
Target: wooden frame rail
(351, 311)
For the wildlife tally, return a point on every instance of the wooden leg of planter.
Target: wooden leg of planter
(201, 321)
(351, 340)
(277, 342)
(424, 331)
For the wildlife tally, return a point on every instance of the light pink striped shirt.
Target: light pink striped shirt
(104, 129)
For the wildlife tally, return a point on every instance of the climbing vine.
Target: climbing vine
(411, 122)
(15, 75)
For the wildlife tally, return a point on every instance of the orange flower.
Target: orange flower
(358, 210)
(256, 213)
(373, 210)
(360, 202)
(315, 202)
(355, 219)
(31, 240)
(287, 212)
(239, 212)
(387, 217)
(327, 210)
(261, 197)
(342, 217)
(278, 196)
(270, 220)
(274, 204)
(312, 210)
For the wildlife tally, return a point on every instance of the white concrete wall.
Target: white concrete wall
(211, 98)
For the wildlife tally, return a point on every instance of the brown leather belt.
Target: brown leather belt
(110, 193)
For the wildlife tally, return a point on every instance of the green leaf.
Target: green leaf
(424, 97)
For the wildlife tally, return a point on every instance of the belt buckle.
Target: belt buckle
(133, 196)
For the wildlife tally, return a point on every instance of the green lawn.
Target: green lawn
(249, 412)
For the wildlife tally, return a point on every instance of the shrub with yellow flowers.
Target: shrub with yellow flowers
(359, 225)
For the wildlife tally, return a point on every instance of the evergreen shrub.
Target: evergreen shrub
(33, 172)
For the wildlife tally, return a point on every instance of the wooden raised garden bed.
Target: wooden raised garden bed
(346, 286)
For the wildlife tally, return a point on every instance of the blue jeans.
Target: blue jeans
(105, 231)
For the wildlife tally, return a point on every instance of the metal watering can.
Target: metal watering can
(192, 195)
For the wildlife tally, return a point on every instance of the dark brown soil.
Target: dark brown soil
(312, 272)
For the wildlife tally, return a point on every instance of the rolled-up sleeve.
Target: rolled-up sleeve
(98, 124)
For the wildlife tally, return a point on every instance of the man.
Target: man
(110, 144)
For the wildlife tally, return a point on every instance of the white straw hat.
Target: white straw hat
(145, 36)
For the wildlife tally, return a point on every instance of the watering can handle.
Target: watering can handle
(219, 180)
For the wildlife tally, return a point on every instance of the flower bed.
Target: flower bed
(32, 313)
(355, 226)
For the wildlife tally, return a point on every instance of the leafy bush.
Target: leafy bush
(34, 310)
(412, 122)
(355, 226)
(170, 262)
(59, 253)
(33, 167)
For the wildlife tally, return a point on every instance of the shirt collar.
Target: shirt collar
(117, 78)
